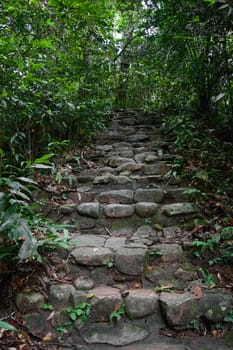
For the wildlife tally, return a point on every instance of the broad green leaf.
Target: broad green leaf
(7, 326)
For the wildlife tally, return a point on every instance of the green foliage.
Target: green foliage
(51, 90)
(117, 315)
(208, 279)
(24, 234)
(47, 307)
(82, 311)
(229, 317)
(7, 326)
(210, 244)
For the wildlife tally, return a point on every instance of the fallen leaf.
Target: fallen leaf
(50, 316)
(149, 268)
(198, 292)
(48, 336)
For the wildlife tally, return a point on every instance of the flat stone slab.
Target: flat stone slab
(140, 157)
(119, 334)
(130, 261)
(89, 209)
(118, 210)
(169, 252)
(141, 302)
(115, 243)
(105, 300)
(138, 137)
(157, 169)
(114, 197)
(149, 195)
(178, 209)
(120, 180)
(89, 256)
(130, 167)
(114, 162)
(89, 240)
(179, 309)
(103, 179)
(146, 209)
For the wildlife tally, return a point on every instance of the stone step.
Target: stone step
(126, 267)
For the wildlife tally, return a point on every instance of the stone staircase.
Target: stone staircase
(128, 215)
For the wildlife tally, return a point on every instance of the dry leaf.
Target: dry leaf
(149, 268)
(48, 336)
(50, 316)
(198, 292)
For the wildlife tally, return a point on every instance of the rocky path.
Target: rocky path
(130, 271)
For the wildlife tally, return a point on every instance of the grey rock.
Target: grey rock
(149, 195)
(115, 243)
(85, 222)
(143, 232)
(101, 275)
(140, 157)
(88, 240)
(185, 275)
(78, 297)
(67, 208)
(121, 180)
(118, 210)
(83, 283)
(179, 309)
(116, 335)
(138, 137)
(103, 179)
(146, 209)
(118, 145)
(105, 300)
(114, 162)
(89, 209)
(37, 324)
(157, 169)
(121, 197)
(104, 147)
(130, 167)
(151, 159)
(215, 305)
(95, 256)
(170, 252)
(29, 301)
(59, 295)
(130, 261)
(126, 154)
(178, 209)
(141, 302)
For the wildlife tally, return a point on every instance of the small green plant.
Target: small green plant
(116, 316)
(111, 263)
(7, 326)
(48, 307)
(82, 311)
(194, 324)
(208, 279)
(229, 317)
(155, 253)
(201, 246)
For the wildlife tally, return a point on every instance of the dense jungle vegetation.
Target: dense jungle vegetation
(67, 64)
